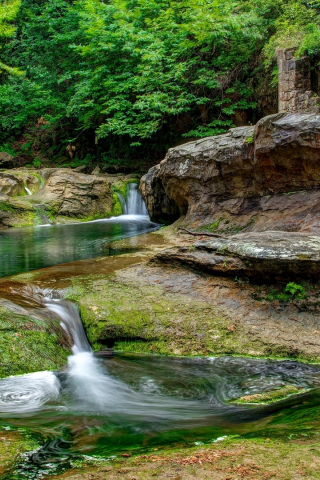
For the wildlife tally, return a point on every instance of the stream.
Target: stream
(105, 406)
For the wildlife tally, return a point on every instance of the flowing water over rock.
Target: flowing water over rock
(104, 407)
(107, 406)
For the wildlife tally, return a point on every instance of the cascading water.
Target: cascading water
(93, 389)
(134, 205)
(28, 191)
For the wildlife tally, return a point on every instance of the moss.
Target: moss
(234, 457)
(28, 344)
(136, 317)
(6, 207)
(116, 207)
(12, 445)
(121, 186)
(269, 397)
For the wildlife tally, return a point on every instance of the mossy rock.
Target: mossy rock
(136, 317)
(12, 445)
(28, 344)
(121, 186)
(269, 397)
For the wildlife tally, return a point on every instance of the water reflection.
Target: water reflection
(30, 248)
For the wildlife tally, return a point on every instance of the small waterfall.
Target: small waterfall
(123, 203)
(135, 203)
(41, 215)
(71, 323)
(28, 191)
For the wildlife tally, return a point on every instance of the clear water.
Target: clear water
(135, 403)
(30, 248)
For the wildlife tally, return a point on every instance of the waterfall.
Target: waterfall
(28, 191)
(123, 203)
(135, 203)
(41, 215)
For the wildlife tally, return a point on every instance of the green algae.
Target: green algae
(13, 443)
(28, 344)
(269, 397)
(116, 207)
(121, 186)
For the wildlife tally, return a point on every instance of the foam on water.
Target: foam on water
(26, 393)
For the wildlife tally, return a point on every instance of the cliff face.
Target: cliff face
(258, 178)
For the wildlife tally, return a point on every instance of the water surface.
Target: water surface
(31, 248)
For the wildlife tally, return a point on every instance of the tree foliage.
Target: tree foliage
(126, 79)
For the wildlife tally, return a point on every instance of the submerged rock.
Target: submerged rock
(270, 396)
(251, 179)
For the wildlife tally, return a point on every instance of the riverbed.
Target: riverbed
(103, 405)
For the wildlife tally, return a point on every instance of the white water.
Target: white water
(90, 388)
(28, 191)
(93, 389)
(134, 204)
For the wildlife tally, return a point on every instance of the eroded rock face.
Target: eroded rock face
(6, 160)
(287, 152)
(263, 255)
(74, 194)
(267, 178)
(19, 183)
(59, 193)
(161, 207)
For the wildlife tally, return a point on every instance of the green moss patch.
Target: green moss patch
(28, 344)
(269, 397)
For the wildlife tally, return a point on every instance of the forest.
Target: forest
(118, 82)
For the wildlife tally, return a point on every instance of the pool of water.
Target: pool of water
(138, 403)
(31, 248)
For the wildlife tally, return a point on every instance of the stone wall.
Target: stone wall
(295, 91)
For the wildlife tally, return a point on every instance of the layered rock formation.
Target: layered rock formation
(250, 179)
(263, 256)
(29, 197)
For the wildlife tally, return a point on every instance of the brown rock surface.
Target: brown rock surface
(265, 256)
(74, 194)
(266, 180)
(65, 194)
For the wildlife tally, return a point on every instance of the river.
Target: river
(132, 403)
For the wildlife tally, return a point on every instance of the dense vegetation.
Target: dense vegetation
(119, 81)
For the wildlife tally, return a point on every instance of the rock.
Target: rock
(76, 195)
(286, 153)
(7, 160)
(266, 256)
(267, 178)
(80, 169)
(62, 194)
(96, 171)
(19, 182)
(161, 207)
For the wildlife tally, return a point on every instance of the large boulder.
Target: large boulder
(250, 179)
(7, 160)
(52, 195)
(73, 194)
